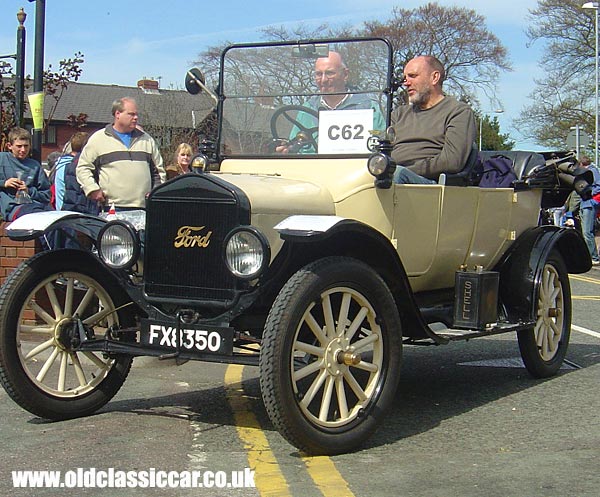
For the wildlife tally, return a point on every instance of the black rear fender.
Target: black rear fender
(521, 266)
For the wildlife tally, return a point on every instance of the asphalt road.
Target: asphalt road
(468, 421)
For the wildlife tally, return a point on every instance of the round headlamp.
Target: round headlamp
(378, 164)
(118, 244)
(247, 252)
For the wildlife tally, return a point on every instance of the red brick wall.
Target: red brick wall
(63, 135)
(13, 252)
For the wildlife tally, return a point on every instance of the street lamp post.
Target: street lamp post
(20, 69)
(594, 5)
(38, 69)
(497, 111)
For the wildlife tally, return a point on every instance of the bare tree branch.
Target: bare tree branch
(565, 97)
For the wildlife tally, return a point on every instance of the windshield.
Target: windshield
(322, 97)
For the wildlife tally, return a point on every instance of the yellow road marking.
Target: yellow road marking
(587, 279)
(326, 476)
(268, 477)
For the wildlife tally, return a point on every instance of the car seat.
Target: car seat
(464, 177)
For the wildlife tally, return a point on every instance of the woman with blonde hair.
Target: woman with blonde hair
(181, 165)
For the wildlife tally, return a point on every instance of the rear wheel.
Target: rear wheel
(543, 347)
(45, 305)
(331, 354)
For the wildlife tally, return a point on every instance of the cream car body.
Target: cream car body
(436, 229)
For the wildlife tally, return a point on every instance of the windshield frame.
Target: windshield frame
(386, 75)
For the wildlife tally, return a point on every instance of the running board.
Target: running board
(454, 334)
(447, 335)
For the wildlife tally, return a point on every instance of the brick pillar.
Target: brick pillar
(12, 253)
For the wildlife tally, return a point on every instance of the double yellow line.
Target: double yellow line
(269, 480)
(585, 279)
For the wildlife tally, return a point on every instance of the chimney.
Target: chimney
(148, 84)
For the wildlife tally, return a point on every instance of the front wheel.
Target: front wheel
(330, 357)
(543, 347)
(44, 306)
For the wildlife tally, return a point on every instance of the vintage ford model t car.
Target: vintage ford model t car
(309, 264)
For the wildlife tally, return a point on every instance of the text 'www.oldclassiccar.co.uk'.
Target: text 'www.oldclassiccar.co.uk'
(151, 478)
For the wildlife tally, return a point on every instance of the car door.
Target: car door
(439, 228)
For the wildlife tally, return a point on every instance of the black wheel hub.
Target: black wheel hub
(66, 334)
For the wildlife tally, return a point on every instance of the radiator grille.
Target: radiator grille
(185, 229)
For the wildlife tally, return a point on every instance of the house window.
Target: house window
(49, 137)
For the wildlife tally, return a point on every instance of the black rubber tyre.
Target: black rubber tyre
(38, 368)
(331, 355)
(544, 346)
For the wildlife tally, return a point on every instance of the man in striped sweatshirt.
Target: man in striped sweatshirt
(121, 163)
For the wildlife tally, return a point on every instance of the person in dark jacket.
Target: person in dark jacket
(77, 142)
(74, 199)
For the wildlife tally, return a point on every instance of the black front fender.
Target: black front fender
(31, 226)
(352, 238)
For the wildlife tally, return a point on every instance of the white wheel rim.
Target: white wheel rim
(550, 316)
(330, 383)
(50, 364)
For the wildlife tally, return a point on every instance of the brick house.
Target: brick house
(165, 114)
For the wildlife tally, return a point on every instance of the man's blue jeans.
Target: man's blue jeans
(588, 218)
(403, 175)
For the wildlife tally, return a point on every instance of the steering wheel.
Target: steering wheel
(305, 136)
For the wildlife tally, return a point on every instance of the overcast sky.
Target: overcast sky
(125, 41)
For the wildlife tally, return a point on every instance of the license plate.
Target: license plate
(192, 338)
